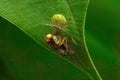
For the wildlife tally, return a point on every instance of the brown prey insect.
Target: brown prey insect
(58, 40)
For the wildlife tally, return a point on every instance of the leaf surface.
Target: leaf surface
(34, 17)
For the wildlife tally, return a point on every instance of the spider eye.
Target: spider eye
(59, 20)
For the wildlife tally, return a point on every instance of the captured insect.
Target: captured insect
(58, 40)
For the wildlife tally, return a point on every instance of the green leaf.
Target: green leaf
(33, 17)
(21, 58)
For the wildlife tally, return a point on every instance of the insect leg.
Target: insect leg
(66, 45)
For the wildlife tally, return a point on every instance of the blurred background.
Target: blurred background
(103, 36)
(21, 58)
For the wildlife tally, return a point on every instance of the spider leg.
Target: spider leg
(66, 45)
